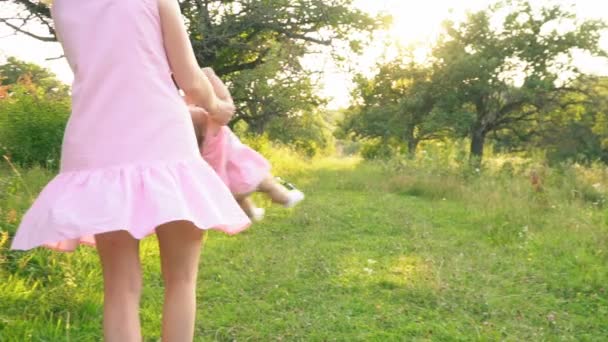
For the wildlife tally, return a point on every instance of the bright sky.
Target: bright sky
(414, 21)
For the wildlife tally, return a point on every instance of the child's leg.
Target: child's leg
(180, 246)
(249, 207)
(279, 194)
(274, 190)
(122, 280)
(246, 204)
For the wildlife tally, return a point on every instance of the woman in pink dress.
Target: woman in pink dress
(130, 164)
(243, 169)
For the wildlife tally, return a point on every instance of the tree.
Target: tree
(400, 103)
(257, 45)
(239, 35)
(14, 70)
(307, 132)
(31, 12)
(577, 128)
(508, 72)
(267, 95)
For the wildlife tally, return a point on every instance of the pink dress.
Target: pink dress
(238, 165)
(129, 158)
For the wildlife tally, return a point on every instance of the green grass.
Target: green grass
(377, 252)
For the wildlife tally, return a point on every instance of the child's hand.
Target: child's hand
(199, 121)
(196, 111)
(189, 102)
(199, 116)
(223, 113)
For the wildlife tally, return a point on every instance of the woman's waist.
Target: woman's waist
(123, 86)
(84, 149)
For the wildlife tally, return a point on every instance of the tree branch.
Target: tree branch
(27, 33)
(303, 37)
(42, 13)
(54, 58)
(243, 66)
(504, 122)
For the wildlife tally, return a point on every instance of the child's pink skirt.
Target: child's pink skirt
(238, 165)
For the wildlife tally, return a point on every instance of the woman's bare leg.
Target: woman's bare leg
(122, 280)
(180, 246)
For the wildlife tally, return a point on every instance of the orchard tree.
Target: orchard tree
(400, 102)
(507, 70)
(268, 95)
(577, 128)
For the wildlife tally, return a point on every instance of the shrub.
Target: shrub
(283, 158)
(377, 149)
(32, 125)
(348, 147)
(308, 133)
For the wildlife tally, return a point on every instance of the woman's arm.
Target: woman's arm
(184, 66)
(220, 89)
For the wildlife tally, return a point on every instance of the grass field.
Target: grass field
(377, 252)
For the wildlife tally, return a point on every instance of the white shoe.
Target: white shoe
(258, 214)
(293, 198)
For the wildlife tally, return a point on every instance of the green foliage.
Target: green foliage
(378, 149)
(14, 69)
(577, 130)
(499, 74)
(273, 95)
(397, 103)
(32, 123)
(257, 45)
(282, 157)
(260, 143)
(238, 35)
(510, 73)
(571, 129)
(308, 133)
(577, 143)
(348, 148)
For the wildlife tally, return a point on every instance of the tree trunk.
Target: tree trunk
(412, 142)
(412, 146)
(257, 126)
(478, 140)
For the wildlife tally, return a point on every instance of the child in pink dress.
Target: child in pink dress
(241, 168)
(130, 165)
